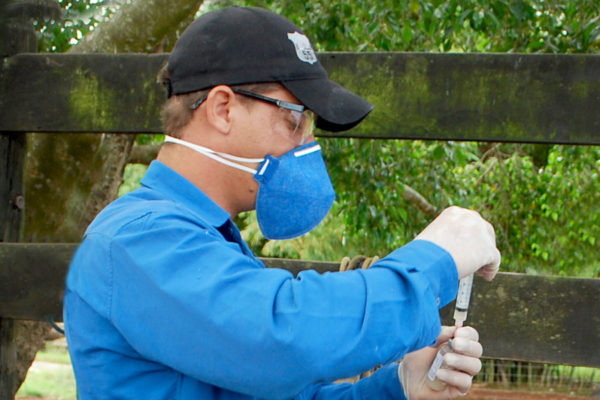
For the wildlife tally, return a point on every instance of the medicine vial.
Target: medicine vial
(433, 382)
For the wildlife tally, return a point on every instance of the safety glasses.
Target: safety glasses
(293, 120)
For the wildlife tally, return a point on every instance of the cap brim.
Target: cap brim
(337, 108)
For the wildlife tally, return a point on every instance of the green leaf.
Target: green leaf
(407, 34)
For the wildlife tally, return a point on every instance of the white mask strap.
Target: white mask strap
(223, 158)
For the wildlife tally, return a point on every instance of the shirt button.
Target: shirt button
(437, 301)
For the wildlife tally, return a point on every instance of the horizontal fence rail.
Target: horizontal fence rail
(482, 97)
(486, 97)
(519, 317)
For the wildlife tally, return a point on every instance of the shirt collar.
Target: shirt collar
(173, 185)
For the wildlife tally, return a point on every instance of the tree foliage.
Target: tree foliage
(79, 17)
(543, 200)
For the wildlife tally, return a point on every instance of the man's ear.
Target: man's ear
(219, 107)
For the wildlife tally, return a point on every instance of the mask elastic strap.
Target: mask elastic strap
(223, 158)
(307, 150)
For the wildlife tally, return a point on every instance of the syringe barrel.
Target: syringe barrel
(459, 317)
(462, 299)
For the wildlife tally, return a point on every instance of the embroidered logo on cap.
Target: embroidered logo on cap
(304, 50)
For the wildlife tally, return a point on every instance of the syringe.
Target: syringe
(462, 300)
(460, 315)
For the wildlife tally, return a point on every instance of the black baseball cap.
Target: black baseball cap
(241, 45)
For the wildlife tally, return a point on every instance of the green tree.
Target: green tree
(389, 190)
(525, 190)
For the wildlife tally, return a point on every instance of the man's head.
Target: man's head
(245, 89)
(239, 46)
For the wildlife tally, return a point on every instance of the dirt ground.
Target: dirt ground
(479, 394)
(498, 394)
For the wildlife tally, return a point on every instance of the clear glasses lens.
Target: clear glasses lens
(298, 126)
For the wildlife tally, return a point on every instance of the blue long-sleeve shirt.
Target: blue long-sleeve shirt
(164, 300)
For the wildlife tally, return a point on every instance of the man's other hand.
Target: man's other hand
(456, 373)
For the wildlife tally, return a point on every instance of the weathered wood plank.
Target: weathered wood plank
(12, 162)
(32, 280)
(536, 318)
(490, 97)
(16, 35)
(12, 159)
(519, 317)
(81, 93)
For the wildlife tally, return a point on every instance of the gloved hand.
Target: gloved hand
(468, 238)
(457, 371)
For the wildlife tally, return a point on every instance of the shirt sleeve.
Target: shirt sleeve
(384, 384)
(185, 298)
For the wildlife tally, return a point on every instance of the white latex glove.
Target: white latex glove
(470, 240)
(457, 371)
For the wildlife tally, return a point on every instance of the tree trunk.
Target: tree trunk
(70, 178)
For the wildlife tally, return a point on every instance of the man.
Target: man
(164, 300)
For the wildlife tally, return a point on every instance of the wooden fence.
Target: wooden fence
(482, 97)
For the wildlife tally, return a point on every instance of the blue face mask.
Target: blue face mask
(294, 194)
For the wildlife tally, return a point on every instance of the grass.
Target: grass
(51, 376)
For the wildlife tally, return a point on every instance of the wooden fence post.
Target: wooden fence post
(18, 36)
(12, 154)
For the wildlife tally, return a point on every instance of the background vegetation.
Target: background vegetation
(542, 199)
(51, 377)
